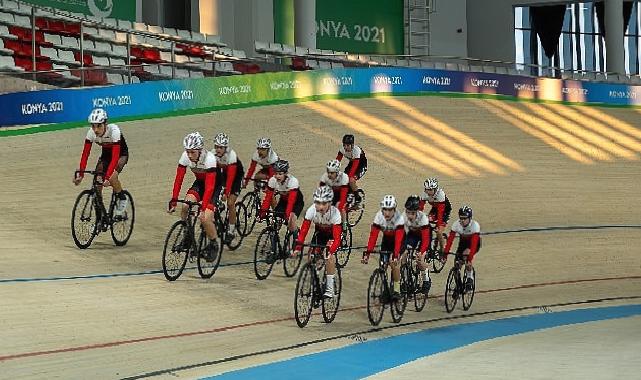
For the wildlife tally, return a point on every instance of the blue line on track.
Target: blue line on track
(368, 358)
(155, 272)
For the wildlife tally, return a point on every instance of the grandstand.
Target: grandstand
(545, 148)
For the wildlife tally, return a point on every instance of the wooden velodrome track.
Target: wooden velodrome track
(520, 165)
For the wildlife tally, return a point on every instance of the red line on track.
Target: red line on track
(258, 323)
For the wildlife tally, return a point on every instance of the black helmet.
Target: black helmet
(412, 203)
(465, 211)
(281, 166)
(348, 139)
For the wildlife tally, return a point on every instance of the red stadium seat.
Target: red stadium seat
(88, 59)
(137, 52)
(72, 29)
(152, 55)
(42, 23)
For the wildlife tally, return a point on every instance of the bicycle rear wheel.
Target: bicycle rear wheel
(208, 262)
(122, 226)
(420, 298)
(451, 290)
(355, 212)
(468, 294)
(303, 298)
(175, 251)
(249, 200)
(84, 219)
(264, 256)
(375, 295)
(330, 305)
(398, 306)
(290, 263)
(343, 253)
(241, 220)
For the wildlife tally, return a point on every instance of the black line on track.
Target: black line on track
(369, 331)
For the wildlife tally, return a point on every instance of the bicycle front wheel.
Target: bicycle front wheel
(420, 298)
(175, 251)
(304, 296)
(208, 261)
(264, 255)
(122, 225)
(468, 293)
(375, 297)
(290, 263)
(343, 253)
(250, 201)
(84, 219)
(330, 305)
(451, 290)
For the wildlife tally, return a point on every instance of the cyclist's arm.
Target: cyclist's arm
(270, 171)
(421, 205)
(399, 235)
(269, 194)
(231, 175)
(339, 156)
(115, 155)
(426, 238)
(354, 168)
(178, 181)
(450, 240)
(302, 234)
(210, 184)
(291, 200)
(84, 157)
(474, 246)
(342, 198)
(373, 236)
(337, 230)
(250, 171)
(440, 214)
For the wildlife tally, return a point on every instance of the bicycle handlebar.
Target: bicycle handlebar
(94, 172)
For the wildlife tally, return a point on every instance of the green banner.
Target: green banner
(120, 9)
(360, 26)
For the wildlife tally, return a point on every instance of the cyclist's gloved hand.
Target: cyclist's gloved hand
(171, 207)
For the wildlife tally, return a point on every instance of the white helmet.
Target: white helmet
(323, 194)
(264, 143)
(193, 141)
(389, 201)
(97, 116)
(221, 139)
(431, 184)
(333, 166)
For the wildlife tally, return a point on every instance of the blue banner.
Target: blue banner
(149, 98)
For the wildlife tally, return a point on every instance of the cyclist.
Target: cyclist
(113, 159)
(440, 211)
(230, 170)
(391, 222)
(290, 201)
(327, 230)
(263, 156)
(203, 164)
(469, 245)
(357, 166)
(339, 183)
(417, 231)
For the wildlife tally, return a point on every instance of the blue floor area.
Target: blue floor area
(368, 358)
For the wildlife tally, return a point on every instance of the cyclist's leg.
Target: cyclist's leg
(208, 223)
(194, 194)
(117, 185)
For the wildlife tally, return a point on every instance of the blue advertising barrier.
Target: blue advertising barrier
(159, 97)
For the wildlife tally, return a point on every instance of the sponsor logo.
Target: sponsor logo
(101, 8)
(574, 90)
(437, 81)
(383, 79)
(494, 83)
(175, 96)
(111, 101)
(622, 94)
(230, 90)
(40, 108)
(526, 87)
(285, 85)
(338, 81)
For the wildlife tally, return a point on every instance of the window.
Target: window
(581, 44)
